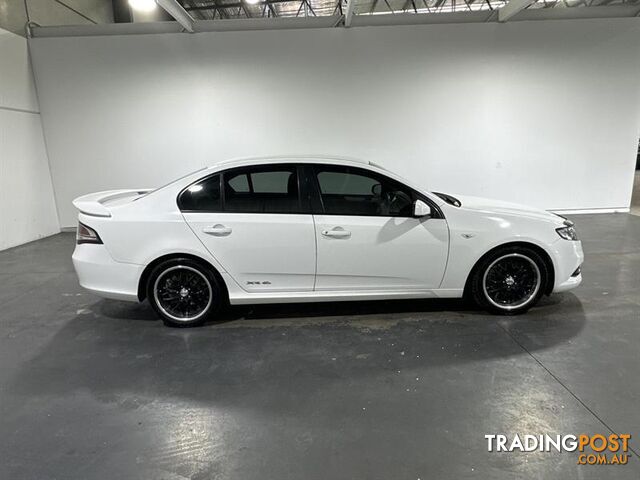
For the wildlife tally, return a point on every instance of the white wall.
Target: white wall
(27, 205)
(545, 113)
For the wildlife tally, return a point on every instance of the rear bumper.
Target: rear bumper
(99, 273)
(568, 257)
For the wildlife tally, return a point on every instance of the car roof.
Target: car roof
(323, 159)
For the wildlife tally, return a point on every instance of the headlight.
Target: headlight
(568, 232)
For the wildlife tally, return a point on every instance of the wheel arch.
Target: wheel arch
(144, 278)
(550, 277)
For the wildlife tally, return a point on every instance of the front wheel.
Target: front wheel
(183, 292)
(509, 281)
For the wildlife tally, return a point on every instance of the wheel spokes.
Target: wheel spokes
(183, 293)
(511, 281)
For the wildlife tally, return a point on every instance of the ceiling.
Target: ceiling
(234, 9)
(228, 15)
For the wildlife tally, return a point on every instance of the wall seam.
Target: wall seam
(44, 135)
(20, 110)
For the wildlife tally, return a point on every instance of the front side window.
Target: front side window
(272, 189)
(354, 191)
(203, 196)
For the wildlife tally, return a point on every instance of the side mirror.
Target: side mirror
(421, 209)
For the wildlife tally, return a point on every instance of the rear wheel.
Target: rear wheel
(183, 292)
(510, 280)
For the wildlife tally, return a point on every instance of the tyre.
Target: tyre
(509, 280)
(184, 293)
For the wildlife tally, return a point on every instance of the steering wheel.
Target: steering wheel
(396, 200)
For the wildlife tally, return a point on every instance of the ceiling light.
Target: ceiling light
(252, 2)
(143, 5)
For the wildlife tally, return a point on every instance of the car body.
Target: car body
(301, 229)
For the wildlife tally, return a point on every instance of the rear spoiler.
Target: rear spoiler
(94, 203)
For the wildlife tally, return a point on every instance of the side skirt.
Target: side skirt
(237, 296)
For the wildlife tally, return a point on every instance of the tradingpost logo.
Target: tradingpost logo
(591, 449)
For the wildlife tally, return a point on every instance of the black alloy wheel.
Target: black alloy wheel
(183, 292)
(509, 281)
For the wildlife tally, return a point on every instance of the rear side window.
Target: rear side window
(262, 190)
(239, 183)
(274, 182)
(203, 196)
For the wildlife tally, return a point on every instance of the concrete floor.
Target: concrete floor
(92, 388)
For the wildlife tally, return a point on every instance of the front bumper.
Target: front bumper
(568, 257)
(99, 273)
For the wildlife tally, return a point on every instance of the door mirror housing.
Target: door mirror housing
(421, 209)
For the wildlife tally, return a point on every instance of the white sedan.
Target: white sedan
(273, 230)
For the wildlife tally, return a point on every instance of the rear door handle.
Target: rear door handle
(337, 232)
(218, 230)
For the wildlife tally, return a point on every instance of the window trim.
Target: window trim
(309, 194)
(320, 210)
(304, 207)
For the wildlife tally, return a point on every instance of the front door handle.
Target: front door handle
(337, 232)
(218, 230)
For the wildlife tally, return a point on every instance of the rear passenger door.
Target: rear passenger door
(256, 224)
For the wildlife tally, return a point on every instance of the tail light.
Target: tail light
(86, 235)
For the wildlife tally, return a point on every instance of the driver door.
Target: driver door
(367, 237)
